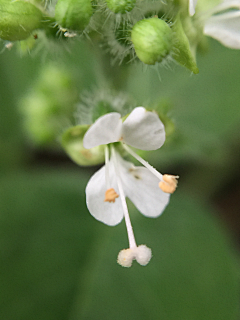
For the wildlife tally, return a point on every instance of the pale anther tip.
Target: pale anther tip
(169, 183)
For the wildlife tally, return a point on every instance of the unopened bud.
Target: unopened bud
(72, 142)
(121, 6)
(18, 19)
(73, 14)
(49, 103)
(152, 39)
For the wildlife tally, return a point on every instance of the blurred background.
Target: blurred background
(59, 263)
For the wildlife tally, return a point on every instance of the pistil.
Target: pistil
(131, 238)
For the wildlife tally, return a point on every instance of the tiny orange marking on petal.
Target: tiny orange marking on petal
(110, 195)
(169, 183)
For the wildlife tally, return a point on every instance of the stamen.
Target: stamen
(131, 238)
(143, 162)
(110, 195)
(169, 183)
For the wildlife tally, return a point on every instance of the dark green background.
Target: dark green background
(58, 263)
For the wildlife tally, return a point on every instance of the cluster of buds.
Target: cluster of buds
(153, 32)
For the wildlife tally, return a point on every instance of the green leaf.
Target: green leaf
(191, 275)
(58, 263)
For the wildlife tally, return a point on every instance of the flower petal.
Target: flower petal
(143, 130)
(225, 28)
(105, 130)
(141, 187)
(106, 212)
(192, 5)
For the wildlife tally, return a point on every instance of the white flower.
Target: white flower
(224, 23)
(145, 187)
(142, 129)
(191, 7)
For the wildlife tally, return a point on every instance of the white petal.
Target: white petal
(226, 5)
(192, 5)
(143, 130)
(141, 187)
(106, 212)
(105, 130)
(225, 28)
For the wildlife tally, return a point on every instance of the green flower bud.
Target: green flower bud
(152, 39)
(121, 6)
(73, 14)
(47, 106)
(72, 142)
(18, 19)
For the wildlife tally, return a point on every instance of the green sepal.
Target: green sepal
(182, 51)
(73, 14)
(72, 142)
(18, 19)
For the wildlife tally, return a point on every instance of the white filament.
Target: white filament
(143, 162)
(131, 238)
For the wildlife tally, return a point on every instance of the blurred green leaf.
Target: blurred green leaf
(57, 262)
(45, 244)
(206, 108)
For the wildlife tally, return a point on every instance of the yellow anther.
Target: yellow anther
(110, 195)
(169, 183)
